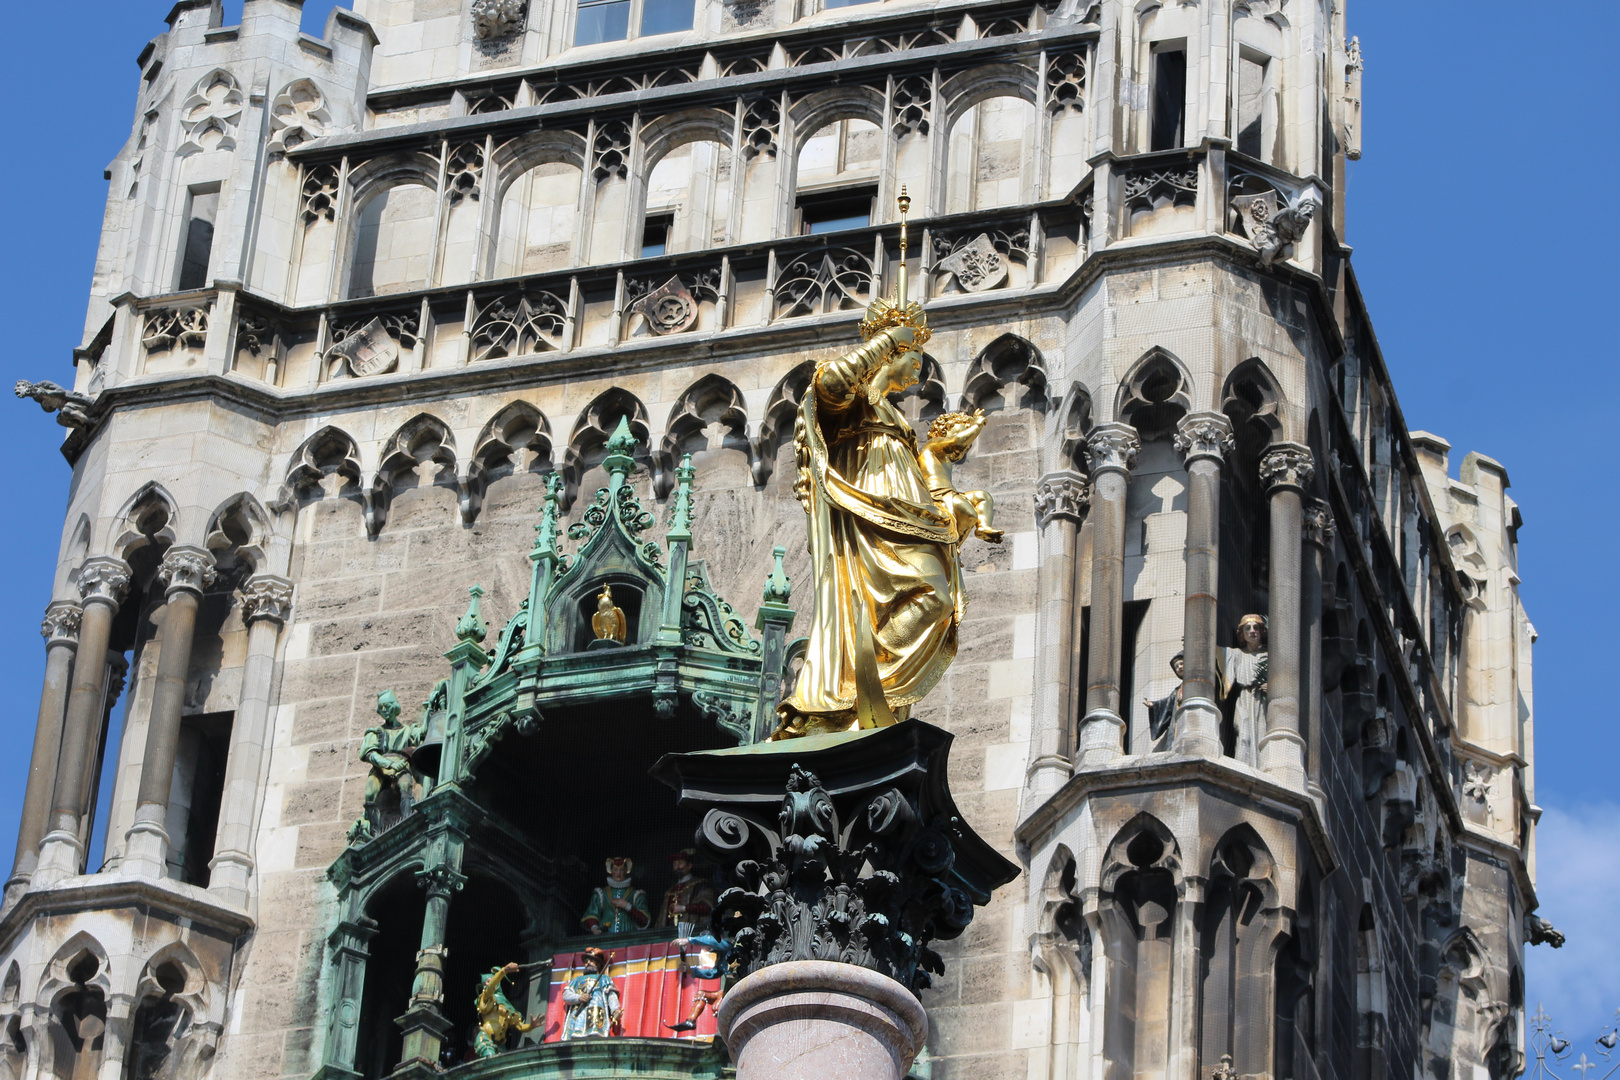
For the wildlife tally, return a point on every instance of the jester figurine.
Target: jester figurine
(592, 999)
(714, 962)
(498, 1018)
(617, 906)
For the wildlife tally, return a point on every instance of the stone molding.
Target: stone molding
(61, 623)
(1205, 435)
(266, 596)
(1287, 465)
(187, 568)
(104, 579)
(1062, 494)
(1112, 447)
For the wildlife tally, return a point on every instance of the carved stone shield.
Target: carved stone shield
(668, 309)
(978, 266)
(370, 350)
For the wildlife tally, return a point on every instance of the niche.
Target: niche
(160, 1022)
(79, 1022)
(626, 597)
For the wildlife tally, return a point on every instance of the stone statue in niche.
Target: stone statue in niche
(1162, 713)
(689, 902)
(392, 786)
(1245, 688)
(617, 906)
(608, 623)
(592, 999)
(949, 437)
(498, 1018)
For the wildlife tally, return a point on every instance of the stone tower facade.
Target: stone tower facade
(361, 297)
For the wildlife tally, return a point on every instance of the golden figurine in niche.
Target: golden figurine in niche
(884, 533)
(608, 623)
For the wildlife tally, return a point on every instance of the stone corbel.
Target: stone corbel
(266, 596)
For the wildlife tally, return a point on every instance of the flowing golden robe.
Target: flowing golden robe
(883, 553)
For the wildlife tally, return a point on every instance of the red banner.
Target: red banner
(652, 991)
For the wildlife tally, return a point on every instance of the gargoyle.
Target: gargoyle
(68, 406)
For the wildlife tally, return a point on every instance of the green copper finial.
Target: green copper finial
(620, 460)
(471, 627)
(778, 590)
(545, 533)
(680, 518)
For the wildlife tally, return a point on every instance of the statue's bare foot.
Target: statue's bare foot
(991, 535)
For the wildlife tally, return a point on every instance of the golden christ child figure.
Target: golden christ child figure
(949, 437)
(883, 549)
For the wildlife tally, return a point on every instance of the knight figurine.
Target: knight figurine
(592, 1000)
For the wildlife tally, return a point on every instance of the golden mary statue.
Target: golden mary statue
(882, 536)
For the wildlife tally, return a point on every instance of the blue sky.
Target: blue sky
(1484, 241)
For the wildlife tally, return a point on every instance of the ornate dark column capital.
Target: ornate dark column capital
(1287, 465)
(1318, 524)
(104, 580)
(441, 881)
(1062, 494)
(265, 596)
(188, 569)
(1112, 448)
(61, 623)
(1204, 435)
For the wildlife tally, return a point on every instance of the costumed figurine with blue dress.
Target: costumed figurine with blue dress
(592, 999)
(617, 906)
(714, 961)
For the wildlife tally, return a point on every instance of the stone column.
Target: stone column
(102, 583)
(187, 571)
(1112, 448)
(1060, 506)
(1318, 541)
(1285, 469)
(61, 632)
(1204, 439)
(266, 600)
(813, 1019)
(424, 1023)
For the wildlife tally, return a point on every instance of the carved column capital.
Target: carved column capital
(1318, 525)
(188, 568)
(1204, 435)
(61, 624)
(1287, 465)
(104, 579)
(1062, 494)
(265, 596)
(1112, 447)
(440, 881)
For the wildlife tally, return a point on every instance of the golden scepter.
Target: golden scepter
(905, 206)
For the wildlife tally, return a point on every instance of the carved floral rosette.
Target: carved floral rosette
(852, 853)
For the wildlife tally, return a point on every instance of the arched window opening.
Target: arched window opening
(397, 910)
(393, 242)
(160, 1022)
(79, 1022)
(990, 155)
(486, 930)
(688, 200)
(539, 220)
(838, 177)
(1138, 930)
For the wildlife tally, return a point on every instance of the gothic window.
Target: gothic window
(393, 242)
(655, 235)
(990, 147)
(539, 220)
(847, 209)
(1169, 96)
(688, 199)
(79, 1022)
(616, 20)
(197, 246)
(837, 173)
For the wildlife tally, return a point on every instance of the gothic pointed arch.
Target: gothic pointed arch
(1237, 936)
(1136, 917)
(329, 460)
(1155, 393)
(297, 115)
(240, 528)
(1006, 362)
(781, 411)
(1252, 400)
(210, 114)
(1077, 424)
(515, 442)
(423, 445)
(587, 443)
(815, 111)
(1061, 933)
(148, 518)
(711, 414)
